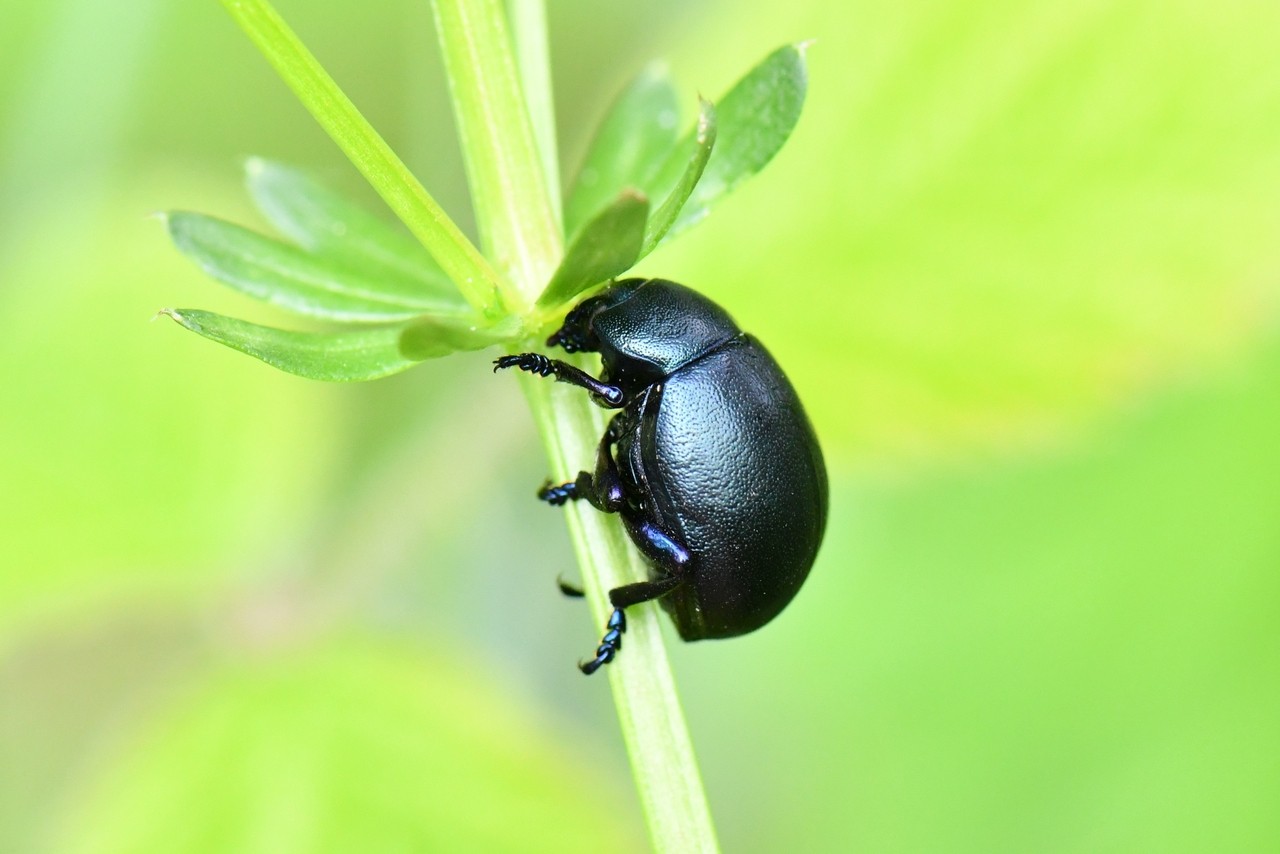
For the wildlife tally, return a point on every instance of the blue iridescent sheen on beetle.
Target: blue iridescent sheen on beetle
(711, 462)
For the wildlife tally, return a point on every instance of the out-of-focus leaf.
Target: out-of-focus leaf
(327, 223)
(1096, 621)
(755, 118)
(359, 354)
(665, 216)
(606, 247)
(92, 425)
(354, 746)
(632, 142)
(290, 278)
(1014, 219)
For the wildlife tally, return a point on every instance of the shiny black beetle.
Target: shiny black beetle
(711, 463)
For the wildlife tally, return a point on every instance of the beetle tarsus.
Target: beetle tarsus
(557, 494)
(534, 363)
(610, 644)
(617, 620)
(589, 667)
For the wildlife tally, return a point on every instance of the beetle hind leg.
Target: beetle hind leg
(609, 644)
(624, 597)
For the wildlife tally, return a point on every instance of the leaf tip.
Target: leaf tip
(171, 313)
(706, 120)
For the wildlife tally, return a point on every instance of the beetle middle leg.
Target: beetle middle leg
(604, 488)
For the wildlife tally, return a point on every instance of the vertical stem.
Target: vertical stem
(512, 178)
(663, 764)
(533, 61)
(519, 229)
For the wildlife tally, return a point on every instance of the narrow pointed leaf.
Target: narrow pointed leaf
(665, 216)
(359, 354)
(630, 144)
(292, 279)
(326, 223)
(755, 118)
(367, 150)
(606, 247)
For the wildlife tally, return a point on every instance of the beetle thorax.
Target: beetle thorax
(657, 328)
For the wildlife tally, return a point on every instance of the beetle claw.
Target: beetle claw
(604, 655)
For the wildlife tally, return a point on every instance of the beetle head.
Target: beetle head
(577, 332)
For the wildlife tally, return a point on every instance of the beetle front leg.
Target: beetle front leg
(608, 396)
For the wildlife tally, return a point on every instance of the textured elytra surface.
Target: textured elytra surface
(736, 475)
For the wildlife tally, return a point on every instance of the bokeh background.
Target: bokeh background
(1022, 260)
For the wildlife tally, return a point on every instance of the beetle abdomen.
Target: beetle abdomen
(736, 473)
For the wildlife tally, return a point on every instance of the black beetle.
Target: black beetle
(711, 463)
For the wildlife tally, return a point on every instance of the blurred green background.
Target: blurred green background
(1022, 261)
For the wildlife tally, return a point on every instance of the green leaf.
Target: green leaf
(665, 216)
(295, 280)
(431, 337)
(755, 117)
(347, 356)
(327, 223)
(348, 744)
(367, 150)
(608, 246)
(156, 396)
(631, 143)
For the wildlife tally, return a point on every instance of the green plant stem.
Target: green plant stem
(492, 107)
(365, 148)
(644, 691)
(533, 61)
(519, 229)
